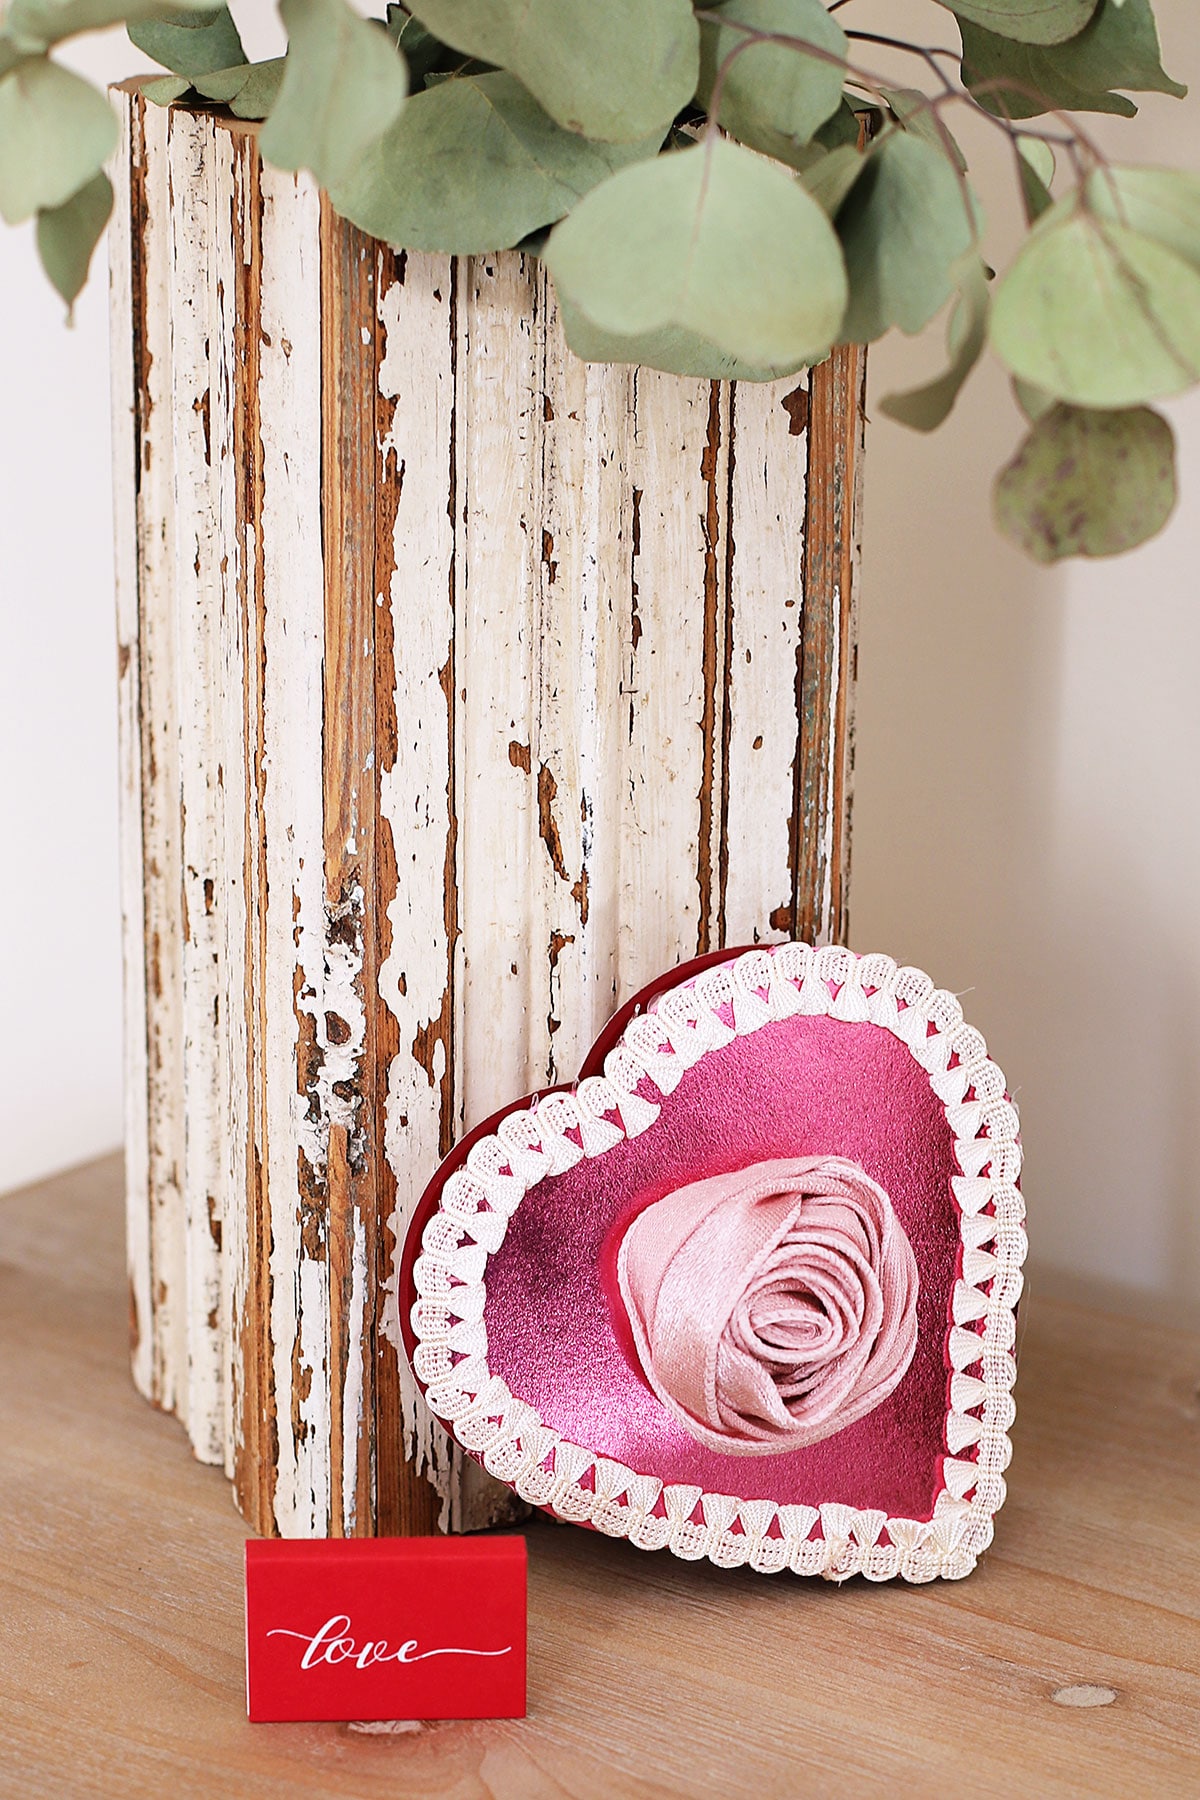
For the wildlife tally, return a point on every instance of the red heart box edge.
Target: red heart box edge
(593, 1064)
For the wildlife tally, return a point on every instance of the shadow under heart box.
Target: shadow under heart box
(747, 1289)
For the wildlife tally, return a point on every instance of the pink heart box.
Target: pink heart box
(516, 1329)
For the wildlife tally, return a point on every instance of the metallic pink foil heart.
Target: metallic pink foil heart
(805, 1086)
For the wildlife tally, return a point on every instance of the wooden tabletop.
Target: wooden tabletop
(121, 1643)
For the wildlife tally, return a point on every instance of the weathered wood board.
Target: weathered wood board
(464, 687)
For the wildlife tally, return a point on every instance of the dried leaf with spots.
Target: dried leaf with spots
(1088, 483)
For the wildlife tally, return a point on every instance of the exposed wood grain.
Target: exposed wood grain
(825, 664)
(359, 1194)
(473, 687)
(122, 1662)
(253, 1400)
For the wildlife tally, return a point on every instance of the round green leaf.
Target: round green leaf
(11, 53)
(830, 177)
(1088, 483)
(1163, 204)
(1036, 167)
(1117, 53)
(472, 165)
(1033, 401)
(670, 348)
(42, 23)
(713, 240)
(56, 131)
(774, 96)
(344, 83)
(903, 226)
(911, 108)
(420, 49)
(925, 408)
(1097, 314)
(257, 96)
(164, 90)
(619, 71)
(190, 46)
(67, 235)
(1029, 21)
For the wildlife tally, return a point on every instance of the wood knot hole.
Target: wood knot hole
(1084, 1693)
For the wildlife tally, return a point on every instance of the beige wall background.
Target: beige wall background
(1026, 823)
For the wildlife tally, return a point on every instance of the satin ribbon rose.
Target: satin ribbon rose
(773, 1306)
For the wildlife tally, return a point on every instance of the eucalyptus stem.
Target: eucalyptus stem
(1072, 139)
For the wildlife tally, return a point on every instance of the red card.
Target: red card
(385, 1628)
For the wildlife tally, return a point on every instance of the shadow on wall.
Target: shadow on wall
(1026, 829)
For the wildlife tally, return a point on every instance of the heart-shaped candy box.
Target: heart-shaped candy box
(747, 1290)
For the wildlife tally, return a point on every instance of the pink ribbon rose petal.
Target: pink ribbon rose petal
(772, 1306)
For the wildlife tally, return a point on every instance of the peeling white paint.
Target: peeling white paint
(593, 580)
(192, 302)
(162, 944)
(294, 934)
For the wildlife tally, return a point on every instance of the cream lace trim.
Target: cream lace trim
(662, 1044)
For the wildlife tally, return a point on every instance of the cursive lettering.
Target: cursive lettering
(334, 1643)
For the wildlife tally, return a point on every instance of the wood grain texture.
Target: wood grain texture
(121, 1668)
(474, 686)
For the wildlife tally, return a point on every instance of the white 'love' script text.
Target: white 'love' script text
(335, 1643)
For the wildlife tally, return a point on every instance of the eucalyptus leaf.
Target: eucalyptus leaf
(830, 177)
(1117, 53)
(1033, 401)
(903, 226)
(1088, 483)
(420, 49)
(670, 348)
(223, 85)
(473, 165)
(1163, 204)
(925, 408)
(1098, 314)
(1029, 21)
(913, 110)
(618, 71)
(714, 241)
(1035, 161)
(11, 53)
(164, 90)
(190, 46)
(774, 97)
(56, 131)
(250, 90)
(68, 234)
(842, 127)
(343, 87)
(43, 23)
(256, 98)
